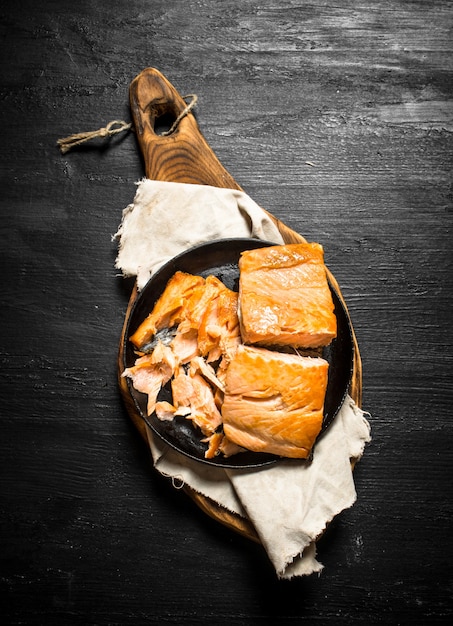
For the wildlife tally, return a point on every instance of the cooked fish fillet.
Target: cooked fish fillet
(169, 309)
(193, 392)
(284, 297)
(151, 372)
(218, 331)
(274, 401)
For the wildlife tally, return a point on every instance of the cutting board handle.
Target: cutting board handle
(183, 156)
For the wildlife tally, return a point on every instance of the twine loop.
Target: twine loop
(112, 128)
(118, 126)
(184, 112)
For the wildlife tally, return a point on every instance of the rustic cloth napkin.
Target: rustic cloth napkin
(291, 502)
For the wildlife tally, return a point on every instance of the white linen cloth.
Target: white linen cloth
(290, 503)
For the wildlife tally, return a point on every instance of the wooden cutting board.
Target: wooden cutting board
(184, 156)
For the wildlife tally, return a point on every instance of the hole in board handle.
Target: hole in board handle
(164, 122)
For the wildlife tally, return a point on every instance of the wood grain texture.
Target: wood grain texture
(183, 156)
(335, 117)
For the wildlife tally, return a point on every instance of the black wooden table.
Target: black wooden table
(337, 118)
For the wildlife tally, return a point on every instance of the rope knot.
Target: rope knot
(118, 126)
(67, 143)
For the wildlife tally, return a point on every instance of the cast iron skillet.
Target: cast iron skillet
(221, 258)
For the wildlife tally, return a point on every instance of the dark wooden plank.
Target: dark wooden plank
(337, 118)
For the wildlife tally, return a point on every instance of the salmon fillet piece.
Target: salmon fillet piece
(274, 401)
(194, 393)
(209, 324)
(284, 297)
(185, 345)
(151, 372)
(218, 443)
(218, 331)
(181, 291)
